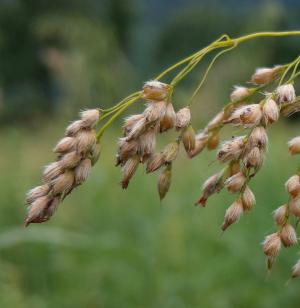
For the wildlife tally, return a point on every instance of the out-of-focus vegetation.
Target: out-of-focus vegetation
(106, 247)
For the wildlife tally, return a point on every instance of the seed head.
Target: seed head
(248, 199)
(270, 111)
(128, 170)
(286, 93)
(279, 215)
(249, 115)
(52, 171)
(168, 120)
(63, 184)
(36, 193)
(201, 140)
(292, 186)
(288, 235)
(235, 182)
(90, 117)
(155, 162)
(164, 182)
(82, 171)
(183, 118)
(272, 245)
(216, 121)
(265, 75)
(211, 185)
(233, 214)
(155, 111)
(170, 151)
(239, 94)
(296, 269)
(189, 139)
(294, 146)
(74, 128)
(65, 145)
(85, 141)
(231, 149)
(155, 90)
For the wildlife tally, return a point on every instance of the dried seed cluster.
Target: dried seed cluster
(76, 153)
(137, 146)
(286, 235)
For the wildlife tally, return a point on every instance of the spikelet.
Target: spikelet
(129, 169)
(235, 182)
(65, 145)
(232, 149)
(70, 160)
(213, 141)
(248, 116)
(90, 117)
(288, 235)
(170, 151)
(146, 143)
(294, 207)
(296, 269)
(211, 185)
(285, 93)
(130, 122)
(155, 90)
(168, 120)
(82, 171)
(74, 128)
(258, 138)
(137, 129)
(52, 171)
(63, 184)
(248, 199)
(200, 143)
(126, 150)
(292, 186)
(265, 75)
(189, 139)
(279, 215)
(294, 145)
(35, 212)
(164, 181)
(233, 214)
(85, 141)
(216, 121)
(270, 111)
(254, 159)
(240, 93)
(155, 162)
(271, 247)
(155, 111)
(183, 118)
(95, 153)
(36, 193)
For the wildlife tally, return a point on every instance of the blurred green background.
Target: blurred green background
(111, 248)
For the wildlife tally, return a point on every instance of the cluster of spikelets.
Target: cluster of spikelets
(137, 146)
(286, 234)
(76, 153)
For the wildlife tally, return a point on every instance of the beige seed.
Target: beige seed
(248, 199)
(90, 117)
(280, 215)
(70, 160)
(64, 145)
(233, 214)
(164, 182)
(235, 182)
(294, 146)
(52, 171)
(128, 170)
(189, 139)
(168, 120)
(292, 185)
(82, 171)
(288, 235)
(270, 111)
(63, 183)
(183, 118)
(36, 193)
(85, 141)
